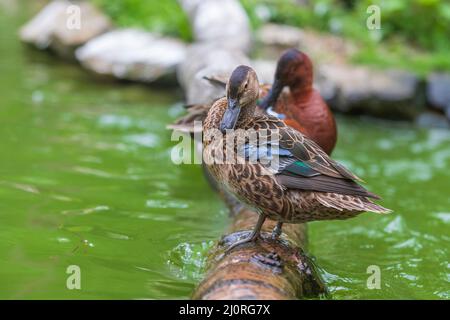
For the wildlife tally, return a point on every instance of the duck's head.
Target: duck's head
(294, 70)
(242, 93)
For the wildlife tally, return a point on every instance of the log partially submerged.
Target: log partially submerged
(266, 270)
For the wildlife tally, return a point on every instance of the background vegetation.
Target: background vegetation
(414, 33)
(161, 16)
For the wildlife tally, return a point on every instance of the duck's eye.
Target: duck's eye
(246, 86)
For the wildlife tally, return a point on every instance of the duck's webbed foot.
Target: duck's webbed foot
(276, 233)
(253, 236)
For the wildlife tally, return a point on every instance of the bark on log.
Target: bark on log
(247, 273)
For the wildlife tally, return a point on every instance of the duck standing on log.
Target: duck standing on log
(301, 107)
(306, 185)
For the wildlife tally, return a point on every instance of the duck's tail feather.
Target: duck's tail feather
(376, 208)
(344, 202)
(216, 80)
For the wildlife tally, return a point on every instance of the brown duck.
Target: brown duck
(301, 107)
(306, 185)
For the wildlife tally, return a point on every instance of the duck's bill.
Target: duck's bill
(231, 116)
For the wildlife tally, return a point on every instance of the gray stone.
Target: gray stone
(207, 60)
(265, 69)
(438, 90)
(56, 26)
(327, 87)
(280, 35)
(9, 6)
(389, 94)
(273, 39)
(133, 54)
(432, 120)
(223, 22)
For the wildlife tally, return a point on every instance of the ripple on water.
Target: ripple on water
(412, 243)
(166, 204)
(412, 170)
(396, 225)
(122, 122)
(118, 236)
(62, 198)
(80, 212)
(385, 144)
(435, 139)
(93, 172)
(188, 260)
(21, 186)
(114, 121)
(147, 140)
(443, 217)
(154, 216)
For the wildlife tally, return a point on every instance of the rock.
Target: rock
(223, 22)
(327, 87)
(438, 90)
(273, 39)
(280, 35)
(388, 94)
(133, 54)
(265, 69)
(432, 120)
(9, 6)
(63, 26)
(447, 111)
(207, 59)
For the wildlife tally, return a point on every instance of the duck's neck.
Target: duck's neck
(302, 88)
(301, 94)
(246, 115)
(301, 83)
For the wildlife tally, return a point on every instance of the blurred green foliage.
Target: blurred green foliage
(164, 16)
(425, 23)
(414, 34)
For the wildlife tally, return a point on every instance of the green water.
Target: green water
(86, 179)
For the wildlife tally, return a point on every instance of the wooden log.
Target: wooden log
(266, 270)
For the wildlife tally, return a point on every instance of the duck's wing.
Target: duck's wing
(310, 153)
(302, 164)
(217, 80)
